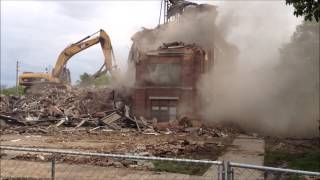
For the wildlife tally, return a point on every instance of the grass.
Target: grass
(308, 161)
(12, 90)
(182, 168)
(293, 155)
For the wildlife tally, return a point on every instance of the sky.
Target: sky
(35, 32)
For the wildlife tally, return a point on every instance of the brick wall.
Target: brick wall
(192, 66)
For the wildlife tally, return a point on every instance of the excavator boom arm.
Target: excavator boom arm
(81, 45)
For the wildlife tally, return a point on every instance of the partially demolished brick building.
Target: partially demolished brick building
(166, 81)
(170, 59)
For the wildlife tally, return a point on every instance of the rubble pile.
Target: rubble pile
(70, 107)
(77, 110)
(172, 148)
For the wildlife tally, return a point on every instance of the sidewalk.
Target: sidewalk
(244, 149)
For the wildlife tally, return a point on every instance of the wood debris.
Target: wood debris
(69, 107)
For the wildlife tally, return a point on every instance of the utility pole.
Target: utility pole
(160, 12)
(17, 78)
(165, 11)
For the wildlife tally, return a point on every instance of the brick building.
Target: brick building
(166, 82)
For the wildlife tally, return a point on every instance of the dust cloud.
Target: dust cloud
(254, 81)
(271, 87)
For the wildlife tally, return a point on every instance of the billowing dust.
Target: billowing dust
(261, 79)
(272, 87)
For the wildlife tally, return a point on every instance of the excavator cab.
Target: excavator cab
(30, 78)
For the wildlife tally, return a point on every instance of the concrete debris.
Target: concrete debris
(55, 111)
(15, 140)
(69, 107)
(147, 164)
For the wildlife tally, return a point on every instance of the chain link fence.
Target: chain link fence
(39, 163)
(238, 171)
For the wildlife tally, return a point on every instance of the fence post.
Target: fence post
(232, 173)
(219, 172)
(53, 166)
(223, 172)
(229, 171)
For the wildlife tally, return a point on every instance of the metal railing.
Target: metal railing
(52, 167)
(54, 153)
(247, 172)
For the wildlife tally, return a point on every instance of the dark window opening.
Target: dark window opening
(164, 110)
(165, 74)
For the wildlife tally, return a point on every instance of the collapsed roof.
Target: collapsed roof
(197, 24)
(177, 7)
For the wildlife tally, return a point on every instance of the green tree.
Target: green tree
(102, 80)
(12, 90)
(304, 45)
(87, 80)
(298, 76)
(84, 80)
(310, 9)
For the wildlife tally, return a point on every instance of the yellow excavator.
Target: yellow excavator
(60, 74)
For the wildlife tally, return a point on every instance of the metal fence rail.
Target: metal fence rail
(247, 171)
(57, 167)
(69, 152)
(52, 167)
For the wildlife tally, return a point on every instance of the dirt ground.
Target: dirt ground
(42, 170)
(196, 143)
(187, 144)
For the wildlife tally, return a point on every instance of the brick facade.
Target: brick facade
(163, 99)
